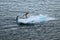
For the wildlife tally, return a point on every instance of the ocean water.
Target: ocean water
(9, 30)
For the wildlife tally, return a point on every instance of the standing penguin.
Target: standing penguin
(26, 15)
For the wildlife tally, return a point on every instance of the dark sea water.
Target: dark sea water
(9, 30)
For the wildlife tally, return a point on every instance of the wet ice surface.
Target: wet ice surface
(9, 30)
(35, 19)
